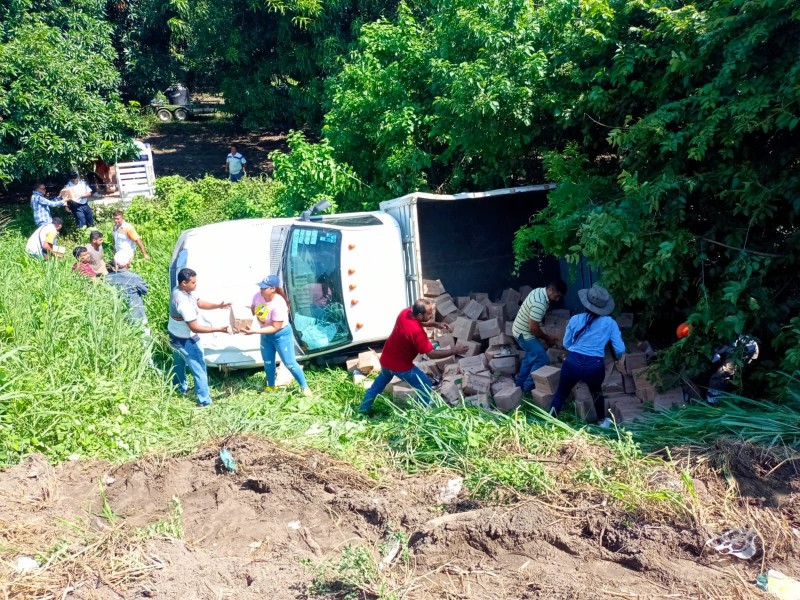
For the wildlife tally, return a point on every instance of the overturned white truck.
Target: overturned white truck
(347, 276)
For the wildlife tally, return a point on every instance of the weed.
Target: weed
(169, 527)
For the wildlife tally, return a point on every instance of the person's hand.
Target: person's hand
(227, 329)
(444, 326)
(461, 349)
(146, 256)
(250, 331)
(223, 304)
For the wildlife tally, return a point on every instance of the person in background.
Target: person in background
(41, 205)
(183, 327)
(79, 206)
(271, 308)
(586, 338)
(407, 340)
(236, 165)
(131, 284)
(82, 265)
(43, 240)
(125, 237)
(95, 250)
(528, 332)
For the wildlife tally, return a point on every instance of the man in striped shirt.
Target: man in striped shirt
(528, 332)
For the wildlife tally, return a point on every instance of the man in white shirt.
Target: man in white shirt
(79, 205)
(43, 241)
(183, 327)
(235, 164)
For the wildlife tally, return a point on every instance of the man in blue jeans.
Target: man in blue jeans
(408, 339)
(528, 332)
(183, 328)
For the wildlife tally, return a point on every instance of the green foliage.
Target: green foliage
(59, 106)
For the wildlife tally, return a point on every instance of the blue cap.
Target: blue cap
(269, 281)
(73, 174)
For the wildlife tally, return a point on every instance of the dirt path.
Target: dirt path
(195, 148)
(291, 526)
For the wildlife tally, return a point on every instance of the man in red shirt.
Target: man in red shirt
(408, 339)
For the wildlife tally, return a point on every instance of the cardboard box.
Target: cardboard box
(351, 363)
(241, 318)
(560, 313)
(451, 371)
(541, 398)
(446, 340)
(508, 399)
(473, 348)
(646, 394)
(403, 391)
(489, 328)
(429, 367)
(546, 378)
(633, 361)
(505, 365)
(478, 401)
(666, 400)
(626, 411)
(479, 296)
(510, 295)
(502, 382)
(508, 328)
(59, 251)
(473, 310)
(501, 340)
(368, 362)
(625, 321)
(441, 363)
(477, 383)
(445, 307)
(581, 393)
(510, 311)
(496, 311)
(462, 301)
(524, 291)
(556, 356)
(69, 194)
(493, 352)
(432, 288)
(450, 392)
(584, 409)
(473, 364)
(463, 329)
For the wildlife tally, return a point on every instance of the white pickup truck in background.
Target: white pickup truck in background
(347, 276)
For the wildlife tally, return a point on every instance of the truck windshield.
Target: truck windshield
(314, 286)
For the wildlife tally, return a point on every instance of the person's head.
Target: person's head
(269, 285)
(187, 279)
(73, 176)
(422, 310)
(58, 223)
(96, 238)
(597, 300)
(119, 217)
(81, 254)
(122, 259)
(233, 149)
(39, 187)
(556, 290)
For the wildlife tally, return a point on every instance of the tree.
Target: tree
(59, 107)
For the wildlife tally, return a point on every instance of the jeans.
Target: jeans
(535, 358)
(589, 369)
(187, 352)
(281, 342)
(236, 176)
(414, 377)
(83, 214)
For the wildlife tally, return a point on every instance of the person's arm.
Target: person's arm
(47, 247)
(434, 325)
(140, 243)
(195, 327)
(616, 340)
(52, 203)
(273, 327)
(212, 305)
(445, 352)
(226, 166)
(244, 166)
(536, 330)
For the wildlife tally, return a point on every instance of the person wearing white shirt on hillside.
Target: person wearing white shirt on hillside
(79, 205)
(235, 164)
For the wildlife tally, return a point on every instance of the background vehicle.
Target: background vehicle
(348, 275)
(180, 106)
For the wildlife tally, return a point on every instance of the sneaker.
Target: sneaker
(606, 423)
(552, 412)
(206, 403)
(307, 392)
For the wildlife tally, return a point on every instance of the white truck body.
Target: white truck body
(349, 275)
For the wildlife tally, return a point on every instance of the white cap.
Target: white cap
(123, 258)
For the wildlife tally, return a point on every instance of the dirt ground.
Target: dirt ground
(194, 148)
(285, 526)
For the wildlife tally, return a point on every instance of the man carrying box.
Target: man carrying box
(408, 339)
(528, 332)
(42, 243)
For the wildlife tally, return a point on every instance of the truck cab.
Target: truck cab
(343, 274)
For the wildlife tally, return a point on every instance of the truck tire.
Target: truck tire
(164, 115)
(181, 114)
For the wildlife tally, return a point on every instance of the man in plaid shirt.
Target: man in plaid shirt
(41, 205)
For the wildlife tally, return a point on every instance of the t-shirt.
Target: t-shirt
(593, 341)
(96, 260)
(182, 310)
(125, 238)
(46, 233)
(408, 339)
(276, 310)
(84, 269)
(533, 308)
(235, 162)
(82, 189)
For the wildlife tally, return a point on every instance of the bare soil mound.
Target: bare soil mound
(289, 526)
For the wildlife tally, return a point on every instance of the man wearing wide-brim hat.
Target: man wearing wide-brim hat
(586, 338)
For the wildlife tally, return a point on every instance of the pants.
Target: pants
(83, 214)
(535, 358)
(236, 176)
(414, 377)
(589, 369)
(281, 342)
(187, 352)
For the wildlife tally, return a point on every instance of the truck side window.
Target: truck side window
(314, 285)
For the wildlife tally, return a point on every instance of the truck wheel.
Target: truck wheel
(181, 114)
(164, 115)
